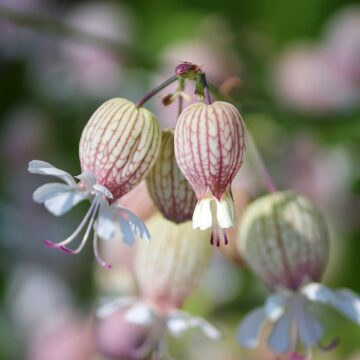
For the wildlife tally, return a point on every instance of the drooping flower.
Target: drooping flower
(118, 146)
(167, 186)
(106, 219)
(209, 148)
(284, 240)
(167, 273)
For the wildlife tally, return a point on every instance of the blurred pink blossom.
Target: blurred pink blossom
(342, 42)
(305, 80)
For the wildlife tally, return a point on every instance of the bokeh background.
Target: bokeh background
(292, 68)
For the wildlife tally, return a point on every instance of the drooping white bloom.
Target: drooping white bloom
(286, 310)
(174, 322)
(285, 240)
(209, 149)
(105, 218)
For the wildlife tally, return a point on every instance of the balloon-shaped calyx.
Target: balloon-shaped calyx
(284, 239)
(209, 148)
(170, 268)
(169, 189)
(119, 145)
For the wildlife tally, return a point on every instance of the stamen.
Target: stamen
(97, 255)
(226, 240)
(331, 346)
(92, 210)
(217, 236)
(212, 237)
(86, 236)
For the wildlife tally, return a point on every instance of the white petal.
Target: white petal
(275, 305)
(62, 202)
(248, 332)
(348, 303)
(309, 329)
(87, 178)
(44, 168)
(345, 301)
(140, 314)
(280, 337)
(318, 292)
(178, 322)
(49, 190)
(109, 306)
(105, 224)
(225, 211)
(132, 225)
(202, 217)
(103, 190)
(208, 329)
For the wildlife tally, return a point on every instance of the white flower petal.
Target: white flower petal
(275, 305)
(345, 301)
(58, 204)
(279, 340)
(49, 190)
(179, 321)
(309, 329)
(202, 217)
(318, 292)
(225, 211)
(140, 314)
(105, 224)
(248, 332)
(348, 303)
(87, 178)
(137, 226)
(103, 190)
(208, 329)
(44, 168)
(109, 306)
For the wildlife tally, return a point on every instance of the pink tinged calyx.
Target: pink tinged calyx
(103, 219)
(209, 148)
(119, 145)
(170, 191)
(284, 239)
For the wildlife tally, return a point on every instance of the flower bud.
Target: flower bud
(209, 148)
(118, 339)
(170, 268)
(284, 239)
(119, 144)
(167, 186)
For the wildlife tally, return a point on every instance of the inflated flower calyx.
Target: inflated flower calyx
(284, 238)
(209, 149)
(119, 145)
(170, 268)
(171, 192)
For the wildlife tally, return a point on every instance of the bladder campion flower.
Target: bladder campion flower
(209, 148)
(167, 186)
(167, 273)
(118, 146)
(284, 239)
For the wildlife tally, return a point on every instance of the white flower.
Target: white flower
(287, 310)
(175, 322)
(104, 218)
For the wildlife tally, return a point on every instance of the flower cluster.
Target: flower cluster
(188, 171)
